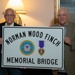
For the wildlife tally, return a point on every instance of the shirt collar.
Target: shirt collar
(10, 25)
(64, 25)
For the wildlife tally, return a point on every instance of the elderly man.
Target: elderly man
(69, 41)
(9, 16)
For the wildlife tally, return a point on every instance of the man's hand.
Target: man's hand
(0, 40)
(67, 40)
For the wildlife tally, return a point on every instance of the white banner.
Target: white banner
(33, 47)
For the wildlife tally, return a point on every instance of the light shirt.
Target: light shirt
(10, 25)
(65, 28)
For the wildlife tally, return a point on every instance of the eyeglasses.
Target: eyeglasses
(62, 15)
(9, 15)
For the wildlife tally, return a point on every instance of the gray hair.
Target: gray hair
(11, 10)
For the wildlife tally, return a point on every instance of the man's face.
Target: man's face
(9, 16)
(63, 17)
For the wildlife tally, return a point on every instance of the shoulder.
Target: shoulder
(2, 24)
(71, 24)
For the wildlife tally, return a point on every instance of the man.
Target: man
(9, 16)
(69, 40)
